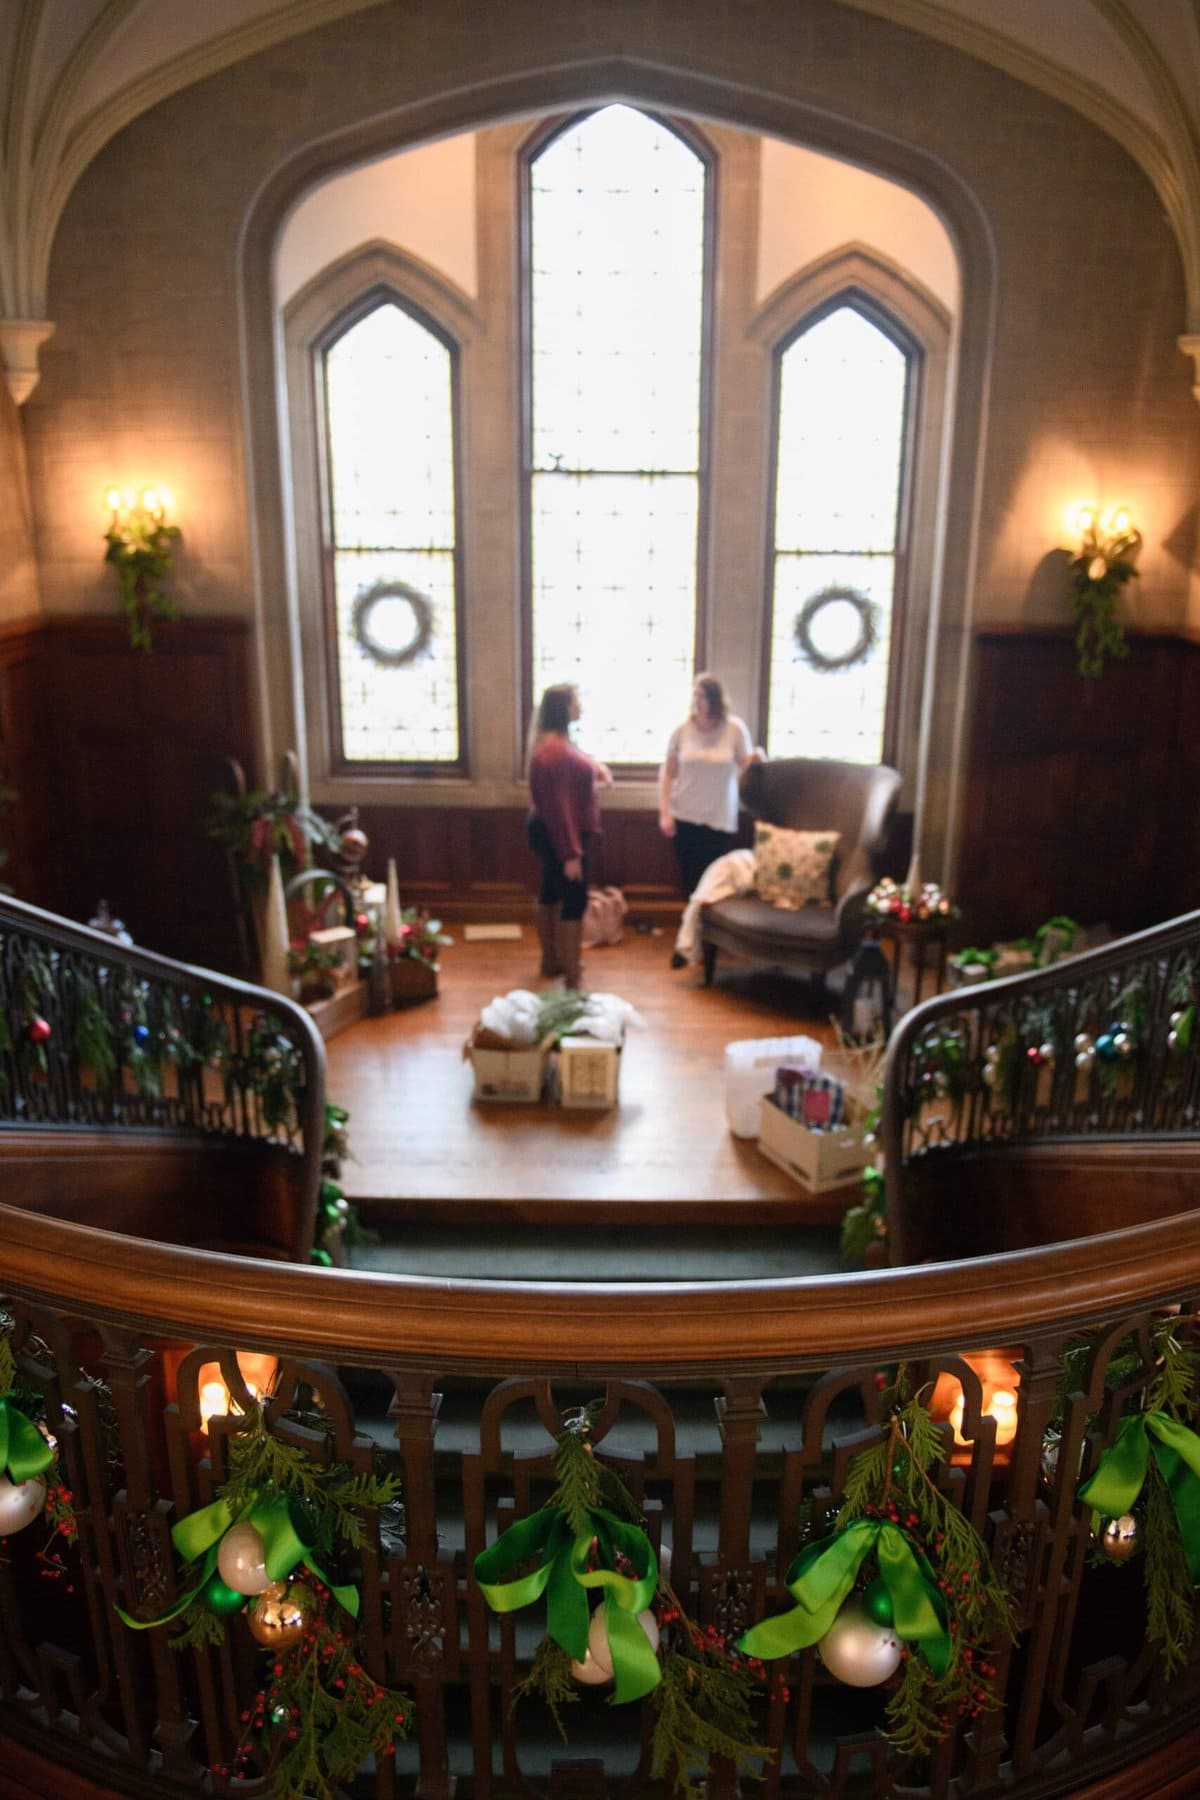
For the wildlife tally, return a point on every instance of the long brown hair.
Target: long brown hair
(554, 711)
(715, 696)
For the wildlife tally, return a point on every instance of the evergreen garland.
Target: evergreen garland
(894, 1481)
(59, 1506)
(91, 1027)
(703, 1701)
(270, 1067)
(1168, 1575)
(314, 1721)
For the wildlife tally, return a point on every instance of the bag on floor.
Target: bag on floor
(602, 921)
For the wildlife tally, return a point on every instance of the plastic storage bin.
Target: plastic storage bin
(750, 1066)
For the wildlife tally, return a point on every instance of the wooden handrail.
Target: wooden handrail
(653, 1326)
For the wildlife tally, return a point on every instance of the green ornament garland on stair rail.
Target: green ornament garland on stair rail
(577, 1545)
(943, 1598)
(320, 1712)
(1154, 1467)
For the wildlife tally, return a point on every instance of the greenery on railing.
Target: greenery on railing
(1101, 1044)
(88, 1037)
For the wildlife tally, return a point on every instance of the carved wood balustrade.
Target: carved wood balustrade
(724, 1409)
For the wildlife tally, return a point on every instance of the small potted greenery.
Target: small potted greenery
(413, 957)
(315, 966)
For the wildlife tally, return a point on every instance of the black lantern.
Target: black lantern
(867, 994)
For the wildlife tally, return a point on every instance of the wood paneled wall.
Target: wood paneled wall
(474, 863)
(114, 755)
(1081, 795)
(30, 827)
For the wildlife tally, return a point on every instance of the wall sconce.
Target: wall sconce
(141, 547)
(1100, 569)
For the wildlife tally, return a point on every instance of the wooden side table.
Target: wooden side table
(923, 935)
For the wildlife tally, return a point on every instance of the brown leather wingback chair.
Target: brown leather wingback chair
(803, 794)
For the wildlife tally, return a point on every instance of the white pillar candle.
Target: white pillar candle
(394, 916)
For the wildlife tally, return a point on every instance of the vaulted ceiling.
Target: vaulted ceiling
(73, 72)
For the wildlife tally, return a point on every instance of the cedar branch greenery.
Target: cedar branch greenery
(1102, 568)
(1171, 1389)
(311, 1725)
(141, 549)
(703, 1702)
(254, 827)
(895, 1480)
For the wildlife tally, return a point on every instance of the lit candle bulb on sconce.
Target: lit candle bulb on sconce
(214, 1399)
(1002, 1406)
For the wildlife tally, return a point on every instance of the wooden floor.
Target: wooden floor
(421, 1143)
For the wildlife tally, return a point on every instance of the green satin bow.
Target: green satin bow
(1118, 1478)
(286, 1544)
(563, 1576)
(24, 1452)
(822, 1576)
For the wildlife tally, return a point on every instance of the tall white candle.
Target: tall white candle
(394, 918)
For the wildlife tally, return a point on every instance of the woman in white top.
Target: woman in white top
(698, 786)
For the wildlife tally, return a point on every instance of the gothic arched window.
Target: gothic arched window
(391, 543)
(838, 483)
(616, 292)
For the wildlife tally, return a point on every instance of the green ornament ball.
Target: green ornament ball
(877, 1603)
(220, 1598)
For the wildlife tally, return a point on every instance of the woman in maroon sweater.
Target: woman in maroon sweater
(563, 824)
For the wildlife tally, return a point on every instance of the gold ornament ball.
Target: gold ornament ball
(857, 1650)
(597, 1666)
(1118, 1537)
(20, 1503)
(281, 1616)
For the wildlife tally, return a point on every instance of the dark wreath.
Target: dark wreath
(864, 643)
(419, 644)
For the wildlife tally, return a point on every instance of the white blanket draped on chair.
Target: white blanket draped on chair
(729, 875)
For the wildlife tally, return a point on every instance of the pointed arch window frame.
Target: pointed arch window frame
(783, 320)
(544, 134)
(315, 318)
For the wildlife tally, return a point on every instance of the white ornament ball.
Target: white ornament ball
(1174, 1019)
(988, 1073)
(1086, 1058)
(20, 1503)
(1046, 1051)
(240, 1561)
(597, 1665)
(857, 1650)
(1083, 1041)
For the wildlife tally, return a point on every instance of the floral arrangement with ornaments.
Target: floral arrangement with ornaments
(889, 899)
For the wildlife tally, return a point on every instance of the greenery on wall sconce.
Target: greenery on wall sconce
(141, 548)
(1100, 572)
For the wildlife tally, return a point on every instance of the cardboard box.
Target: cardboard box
(511, 1077)
(818, 1160)
(587, 1073)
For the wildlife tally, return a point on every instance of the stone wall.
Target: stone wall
(1069, 382)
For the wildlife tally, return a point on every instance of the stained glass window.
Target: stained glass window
(616, 306)
(843, 393)
(390, 419)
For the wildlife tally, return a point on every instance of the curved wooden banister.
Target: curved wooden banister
(733, 1410)
(476, 1324)
(208, 1038)
(1032, 1060)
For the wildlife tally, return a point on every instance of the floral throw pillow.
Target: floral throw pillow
(792, 868)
